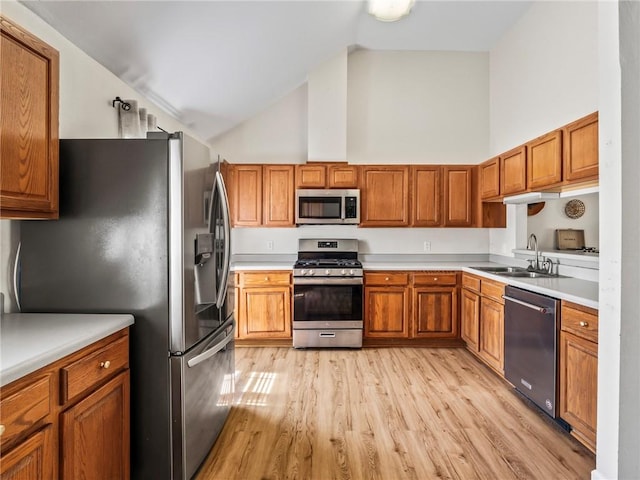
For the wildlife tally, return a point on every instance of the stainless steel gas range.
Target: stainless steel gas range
(327, 294)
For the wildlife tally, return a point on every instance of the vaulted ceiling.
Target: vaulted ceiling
(213, 64)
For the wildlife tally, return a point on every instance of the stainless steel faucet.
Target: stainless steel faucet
(532, 243)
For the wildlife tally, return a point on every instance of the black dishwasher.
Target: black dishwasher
(530, 345)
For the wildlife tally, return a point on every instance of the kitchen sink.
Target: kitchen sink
(500, 270)
(517, 272)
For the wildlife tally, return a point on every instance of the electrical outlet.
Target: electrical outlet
(269, 244)
(426, 246)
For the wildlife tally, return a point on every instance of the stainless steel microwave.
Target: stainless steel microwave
(327, 207)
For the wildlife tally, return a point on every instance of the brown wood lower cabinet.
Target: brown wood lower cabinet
(48, 435)
(579, 371)
(411, 306)
(98, 424)
(264, 305)
(482, 319)
(31, 459)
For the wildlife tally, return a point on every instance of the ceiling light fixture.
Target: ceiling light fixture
(390, 10)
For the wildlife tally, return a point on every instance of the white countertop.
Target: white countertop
(575, 290)
(29, 341)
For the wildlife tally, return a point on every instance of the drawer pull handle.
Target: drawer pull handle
(584, 324)
(2, 429)
(105, 365)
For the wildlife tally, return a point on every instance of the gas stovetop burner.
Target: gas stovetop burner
(327, 262)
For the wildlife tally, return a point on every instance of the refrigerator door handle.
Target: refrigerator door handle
(16, 274)
(226, 223)
(210, 352)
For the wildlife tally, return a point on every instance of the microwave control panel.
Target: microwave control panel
(350, 207)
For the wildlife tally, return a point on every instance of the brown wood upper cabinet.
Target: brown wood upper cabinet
(513, 171)
(334, 175)
(261, 195)
(581, 149)
(279, 195)
(384, 196)
(311, 176)
(246, 195)
(490, 179)
(544, 161)
(29, 124)
(426, 184)
(458, 205)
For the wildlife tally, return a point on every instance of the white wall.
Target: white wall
(372, 240)
(552, 217)
(417, 107)
(543, 74)
(276, 135)
(86, 92)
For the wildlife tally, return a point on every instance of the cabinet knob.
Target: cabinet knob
(266, 279)
(584, 324)
(435, 279)
(386, 279)
(105, 365)
(2, 429)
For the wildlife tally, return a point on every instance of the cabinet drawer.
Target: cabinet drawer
(492, 289)
(386, 278)
(434, 278)
(26, 407)
(581, 321)
(258, 279)
(472, 283)
(91, 370)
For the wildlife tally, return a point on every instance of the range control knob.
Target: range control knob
(351, 272)
(312, 272)
(303, 272)
(327, 272)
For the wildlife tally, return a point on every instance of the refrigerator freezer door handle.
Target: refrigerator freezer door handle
(213, 350)
(222, 191)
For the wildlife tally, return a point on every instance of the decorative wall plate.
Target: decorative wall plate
(574, 208)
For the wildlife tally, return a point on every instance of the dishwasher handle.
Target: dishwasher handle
(525, 304)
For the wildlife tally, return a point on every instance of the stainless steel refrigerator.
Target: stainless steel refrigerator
(144, 229)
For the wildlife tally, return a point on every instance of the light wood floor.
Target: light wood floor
(396, 413)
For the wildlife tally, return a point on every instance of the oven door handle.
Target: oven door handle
(327, 281)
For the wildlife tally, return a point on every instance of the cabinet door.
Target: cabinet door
(427, 196)
(29, 77)
(246, 186)
(491, 346)
(265, 312)
(470, 318)
(490, 178)
(435, 312)
(311, 176)
(384, 196)
(579, 386)
(31, 459)
(342, 176)
(386, 312)
(581, 149)
(544, 160)
(278, 188)
(458, 207)
(513, 171)
(95, 434)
